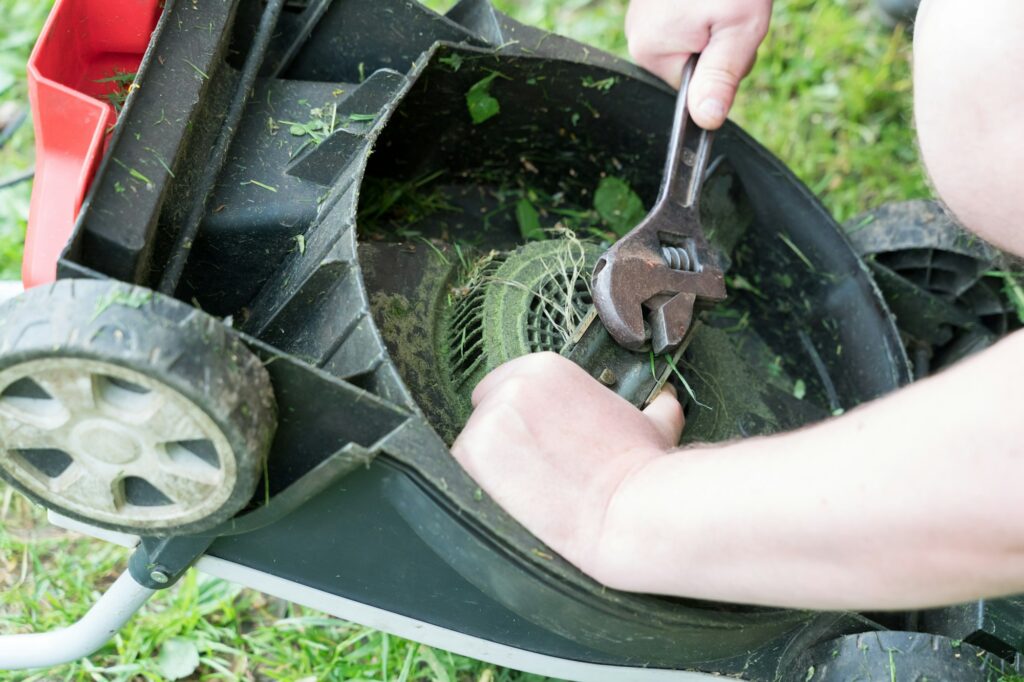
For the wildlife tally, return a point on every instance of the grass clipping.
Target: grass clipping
(510, 304)
(540, 295)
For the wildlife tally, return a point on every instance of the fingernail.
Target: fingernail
(713, 109)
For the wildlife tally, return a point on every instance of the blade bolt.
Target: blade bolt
(607, 377)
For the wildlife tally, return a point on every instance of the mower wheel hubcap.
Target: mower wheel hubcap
(110, 444)
(106, 442)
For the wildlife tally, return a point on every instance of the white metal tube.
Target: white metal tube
(93, 630)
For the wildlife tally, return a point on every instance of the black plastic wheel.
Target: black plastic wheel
(887, 656)
(129, 410)
(947, 288)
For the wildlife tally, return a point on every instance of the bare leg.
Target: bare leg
(969, 106)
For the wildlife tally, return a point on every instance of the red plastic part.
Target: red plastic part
(83, 42)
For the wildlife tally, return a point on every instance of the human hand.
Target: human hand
(551, 445)
(662, 35)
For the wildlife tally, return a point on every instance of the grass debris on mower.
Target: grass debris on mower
(262, 291)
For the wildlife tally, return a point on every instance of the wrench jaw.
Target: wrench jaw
(618, 289)
(626, 284)
(637, 275)
(670, 321)
(671, 317)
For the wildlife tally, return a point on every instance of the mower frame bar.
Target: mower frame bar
(45, 649)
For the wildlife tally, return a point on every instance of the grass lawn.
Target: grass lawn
(830, 95)
(22, 20)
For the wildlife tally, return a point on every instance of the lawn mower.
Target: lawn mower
(274, 245)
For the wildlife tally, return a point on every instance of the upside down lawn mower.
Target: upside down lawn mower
(275, 244)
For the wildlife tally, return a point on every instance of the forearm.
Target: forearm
(912, 500)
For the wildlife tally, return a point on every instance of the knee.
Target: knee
(968, 99)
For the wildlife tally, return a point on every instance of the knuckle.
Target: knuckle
(466, 448)
(475, 443)
(635, 49)
(460, 451)
(515, 391)
(485, 428)
(539, 366)
(640, 48)
(523, 365)
(547, 359)
(757, 27)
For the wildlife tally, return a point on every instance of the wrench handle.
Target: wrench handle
(688, 150)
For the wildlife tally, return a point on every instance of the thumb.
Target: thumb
(726, 59)
(666, 415)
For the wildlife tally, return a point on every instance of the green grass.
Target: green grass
(829, 95)
(22, 20)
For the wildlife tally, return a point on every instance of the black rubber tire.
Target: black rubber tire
(902, 656)
(165, 340)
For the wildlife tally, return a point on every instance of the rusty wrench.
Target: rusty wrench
(664, 264)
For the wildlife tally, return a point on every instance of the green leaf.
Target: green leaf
(479, 101)
(618, 205)
(120, 77)
(604, 85)
(178, 658)
(686, 384)
(529, 221)
(453, 61)
(799, 389)
(1014, 290)
(742, 283)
